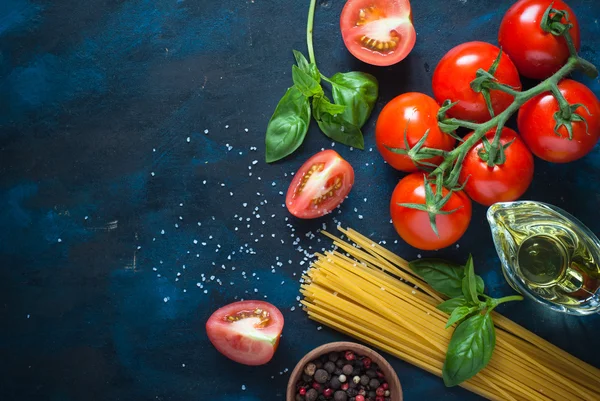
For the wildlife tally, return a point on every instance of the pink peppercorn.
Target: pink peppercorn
(366, 363)
(385, 386)
(316, 386)
(328, 392)
(379, 398)
(345, 386)
(360, 398)
(350, 356)
(380, 391)
(302, 391)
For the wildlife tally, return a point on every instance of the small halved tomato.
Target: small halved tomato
(246, 332)
(321, 184)
(378, 32)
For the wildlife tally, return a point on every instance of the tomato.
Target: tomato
(320, 185)
(536, 124)
(378, 32)
(536, 53)
(411, 113)
(246, 332)
(414, 226)
(453, 75)
(501, 183)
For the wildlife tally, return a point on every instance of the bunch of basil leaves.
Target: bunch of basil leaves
(354, 95)
(473, 341)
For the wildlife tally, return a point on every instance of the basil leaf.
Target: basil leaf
(469, 283)
(445, 277)
(288, 125)
(356, 90)
(460, 313)
(480, 284)
(321, 104)
(304, 65)
(470, 349)
(305, 83)
(340, 130)
(451, 304)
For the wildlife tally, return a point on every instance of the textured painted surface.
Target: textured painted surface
(97, 100)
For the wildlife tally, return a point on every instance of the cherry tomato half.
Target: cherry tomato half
(536, 124)
(246, 332)
(410, 114)
(414, 226)
(503, 182)
(320, 185)
(453, 75)
(378, 32)
(536, 53)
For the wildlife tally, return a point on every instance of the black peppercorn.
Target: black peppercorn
(374, 383)
(371, 373)
(329, 366)
(339, 363)
(352, 392)
(374, 366)
(356, 371)
(364, 380)
(340, 396)
(335, 383)
(318, 363)
(312, 395)
(337, 371)
(321, 376)
(347, 370)
(333, 356)
(306, 377)
(372, 394)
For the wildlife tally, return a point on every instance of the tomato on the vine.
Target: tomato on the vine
(410, 115)
(453, 75)
(247, 332)
(320, 185)
(378, 32)
(414, 226)
(503, 182)
(536, 53)
(536, 121)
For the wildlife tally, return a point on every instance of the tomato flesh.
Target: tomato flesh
(247, 332)
(414, 226)
(320, 185)
(501, 183)
(536, 124)
(455, 71)
(411, 115)
(536, 53)
(378, 32)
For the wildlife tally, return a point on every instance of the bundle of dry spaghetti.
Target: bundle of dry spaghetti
(372, 295)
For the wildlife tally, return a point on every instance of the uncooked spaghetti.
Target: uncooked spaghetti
(371, 294)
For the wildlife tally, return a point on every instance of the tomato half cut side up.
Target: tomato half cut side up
(378, 32)
(320, 185)
(247, 332)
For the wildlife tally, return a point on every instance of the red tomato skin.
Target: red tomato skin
(238, 347)
(536, 124)
(453, 75)
(501, 183)
(413, 225)
(536, 53)
(415, 113)
(299, 204)
(351, 32)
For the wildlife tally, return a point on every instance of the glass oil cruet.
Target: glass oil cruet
(547, 255)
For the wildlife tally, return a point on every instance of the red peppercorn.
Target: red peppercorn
(380, 391)
(366, 363)
(316, 386)
(328, 392)
(345, 386)
(385, 386)
(360, 398)
(379, 398)
(350, 357)
(302, 391)
(380, 374)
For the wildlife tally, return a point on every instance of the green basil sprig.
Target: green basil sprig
(473, 341)
(354, 95)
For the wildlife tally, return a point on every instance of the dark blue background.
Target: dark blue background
(97, 100)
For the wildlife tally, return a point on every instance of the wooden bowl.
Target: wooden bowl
(387, 370)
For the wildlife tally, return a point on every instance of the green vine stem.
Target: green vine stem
(309, 31)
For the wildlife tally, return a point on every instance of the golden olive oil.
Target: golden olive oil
(548, 254)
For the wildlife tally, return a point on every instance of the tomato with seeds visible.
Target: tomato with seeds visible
(378, 32)
(247, 332)
(320, 185)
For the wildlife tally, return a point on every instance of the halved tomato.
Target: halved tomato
(378, 32)
(246, 332)
(321, 184)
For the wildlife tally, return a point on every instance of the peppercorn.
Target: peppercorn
(380, 391)
(372, 395)
(385, 386)
(350, 356)
(299, 397)
(323, 358)
(345, 386)
(387, 393)
(316, 386)
(374, 366)
(340, 396)
(380, 374)
(362, 392)
(329, 366)
(318, 363)
(374, 383)
(312, 395)
(364, 380)
(342, 378)
(310, 369)
(371, 373)
(328, 392)
(366, 363)
(379, 398)
(321, 376)
(335, 383)
(347, 369)
(352, 392)
(333, 356)
(302, 391)
(360, 398)
(337, 371)
(356, 371)
(356, 379)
